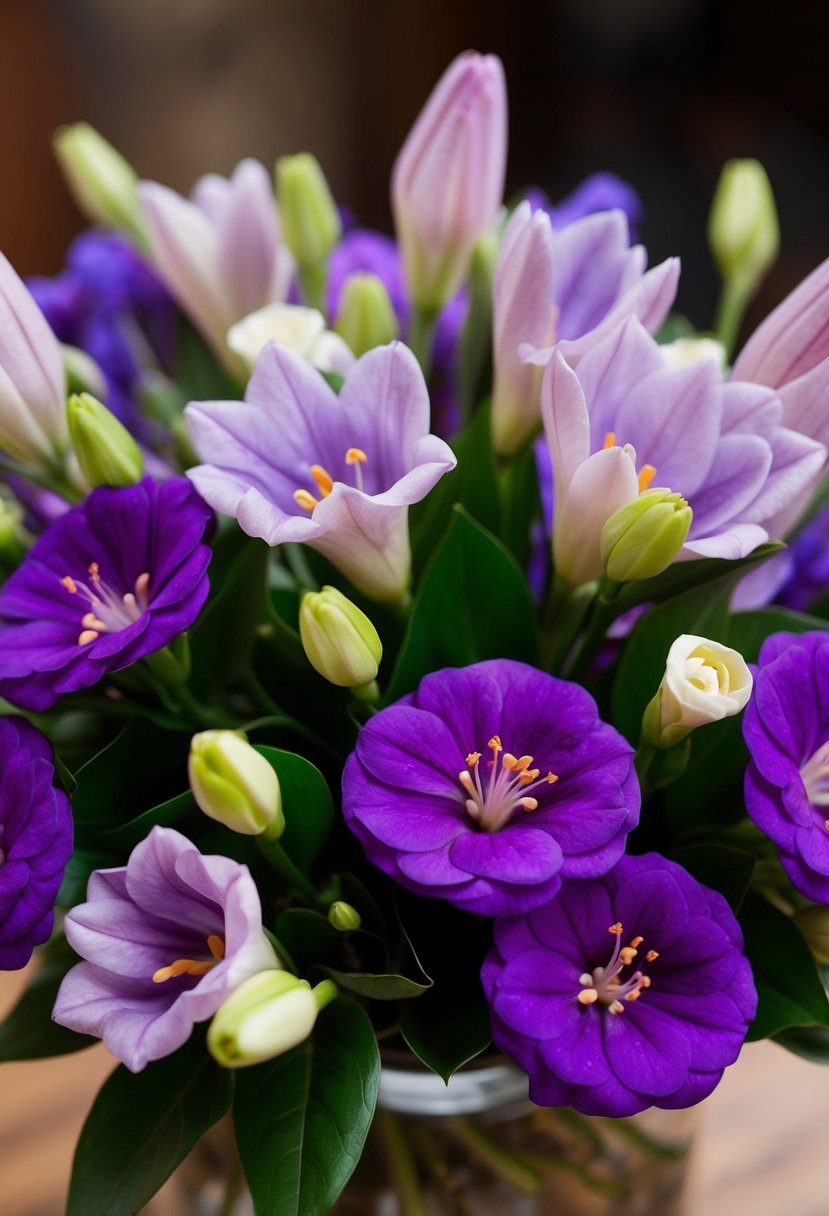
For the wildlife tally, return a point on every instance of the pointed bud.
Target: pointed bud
(743, 231)
(102, 182)
(365, 318)
(643, 537)
(704, 681)
(344, 917)
(310, 222)
(813, 923)
(107, 453)
(339, 640)
(268, 1014)
(234, 784)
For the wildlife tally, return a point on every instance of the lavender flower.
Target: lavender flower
(114, 579)
(166, 939)
(598, 192)
(611, 1028)
(786, 727)
(805, 573)
(35, 841)
(440, 805)
(295, 462)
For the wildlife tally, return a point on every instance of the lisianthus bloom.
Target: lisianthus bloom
(805, 573)
(786, 727)
(219, 253)
(35, 841)
(571, 287)
(112, 580)
(442, 805)
(598, 192)
(625, 419)
(625, 991)
(165, 940)
(296, 462)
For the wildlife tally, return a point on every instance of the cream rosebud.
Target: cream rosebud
(813, 923)
(684, 351)
(339, 640)
(107, 453)
(743, 231)
(102, 183)
(310, 221)
(704, 681)
(295, 327)
(643, 537)
(365, 317)
(268, 1014)
(344, 917)
(234, 784)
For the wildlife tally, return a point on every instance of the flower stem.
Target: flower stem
(501, 1163)
(422, 336)
(402, 1165)
(566, 609)
(312, 280)
(731, 307)
(288, 871)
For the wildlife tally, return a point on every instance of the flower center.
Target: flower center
(492, 801)
(109, 611)
(354, 458)
(647, 471)
(192, 966)
(606, 986)
(815, 777)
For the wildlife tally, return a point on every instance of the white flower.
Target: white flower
(704, 681)
(301, 330)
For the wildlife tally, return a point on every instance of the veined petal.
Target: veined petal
(600, 485)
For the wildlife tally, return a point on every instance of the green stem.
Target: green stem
(422, 336)
(289, 871)
(496, 1159)
(402, 1165)
(312, 280)
(731, 307)
(566, 609)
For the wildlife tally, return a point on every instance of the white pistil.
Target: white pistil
(510, 779)
(604, 985)
(110, 613)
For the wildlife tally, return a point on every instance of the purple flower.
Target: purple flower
(165, 938)
(786, 727)
(35, 841)
(361, 250)
(598, 192)
(611, 1028)
(444, 810)
(806, 570)
(296, 462)
(114, 579)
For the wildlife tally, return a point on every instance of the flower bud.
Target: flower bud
(684, 351)
(365, 318)
(813, 923)
(234, 784)
(83, 375)
(344, 917)
(107, 453)
(339, 640)
(300, 329)
(268, 1014)
(643, 537)
(310, 220)
(14, 540)
(743, 232)
(703, 682)
(101, 181)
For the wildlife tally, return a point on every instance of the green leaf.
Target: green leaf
(474, 603)
(76, 875)
(306, 802)
(301, 1120)
(721, 867)
(810, 1042)
(28, 1032)
(790, 990)
(690, 576)
(748, 630)
(309, 937)
(223, 637)
(166, 814)
(141, 1126)
(386, 986)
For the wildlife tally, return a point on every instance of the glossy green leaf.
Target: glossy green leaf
(28, 1032)
(306, 803)
(223, 637)
(386, 986)
(301, 1120)
(167, 814)
(788, 985)
(141, 1126)
(682, 577)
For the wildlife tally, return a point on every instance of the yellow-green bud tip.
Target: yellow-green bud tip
(365, 318)
(344, 917)
(268, 1014)
(107, 453)
(743, 231)
(101, 181)
(339, 639)
(309, 217)
(643, 537)
(234, 784)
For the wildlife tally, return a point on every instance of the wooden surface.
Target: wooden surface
(764, 1146)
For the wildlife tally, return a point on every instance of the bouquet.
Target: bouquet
(413, 646)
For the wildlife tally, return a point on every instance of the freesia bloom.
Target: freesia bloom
(35, 841)
(112, 580)
(571, 287)
(786, 727)
(220, 253)
(448, 179)
(704, 682)
(625, 991)
(626, 419)
(165, 940)
(296, 462)
(442, 805)
(32, 380)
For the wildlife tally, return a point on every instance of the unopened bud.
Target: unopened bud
(14, 540)
(268, 1014)
(365, 318)
(83, 375)
(107, 453)
(310, 221)
(704, 681)
(743, 231)
(813, 923)
(101, 181)
(344, 917)
(643, 537)
(233, 783)
(339, 640)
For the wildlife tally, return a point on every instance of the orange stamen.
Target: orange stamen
(646, 476)
(306, 500)
(323, 479)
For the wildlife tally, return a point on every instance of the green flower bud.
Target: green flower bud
(82, 372)
(339, 640)
(643, 537)
(743, 231)
(107, 453)
(310, 221)
(233, 783)
(268, 1014)
(102, 183)
(14, 540)
(365, 318)
(343, 917)
(813, 923)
